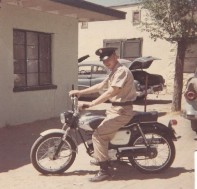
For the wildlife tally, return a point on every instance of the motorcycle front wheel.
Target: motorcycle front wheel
(161, 156)
(44, 156)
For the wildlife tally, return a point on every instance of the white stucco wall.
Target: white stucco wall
(22, 107)
(92, 38)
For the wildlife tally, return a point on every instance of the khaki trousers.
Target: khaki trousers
(116, 117)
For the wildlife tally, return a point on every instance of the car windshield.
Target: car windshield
(99, 70)
(84, 70)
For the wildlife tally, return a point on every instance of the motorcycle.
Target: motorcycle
(144, 142)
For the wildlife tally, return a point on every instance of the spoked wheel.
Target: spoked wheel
(47, 160)
(159, 157)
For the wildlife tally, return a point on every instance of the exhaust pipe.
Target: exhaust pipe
(137, 151)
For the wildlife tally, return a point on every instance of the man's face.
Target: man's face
(111, 62)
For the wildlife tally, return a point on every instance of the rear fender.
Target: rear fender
(159, 127)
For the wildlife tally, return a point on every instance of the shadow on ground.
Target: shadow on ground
(123, 171)
(152, 101)
(16, 142)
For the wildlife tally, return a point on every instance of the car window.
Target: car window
(84, 70)
(99, 70)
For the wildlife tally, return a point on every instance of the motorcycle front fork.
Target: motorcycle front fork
(60, 144)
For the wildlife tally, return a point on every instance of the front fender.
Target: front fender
(50, 131)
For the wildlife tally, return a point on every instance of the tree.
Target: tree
(176, 22)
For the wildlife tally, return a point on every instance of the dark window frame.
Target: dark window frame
(136, 17)
(30, 62)
(121, 45)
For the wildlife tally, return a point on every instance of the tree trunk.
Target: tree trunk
(178, 78)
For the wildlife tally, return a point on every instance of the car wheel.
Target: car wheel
(194, 125)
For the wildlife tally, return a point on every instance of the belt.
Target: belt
(122, 103)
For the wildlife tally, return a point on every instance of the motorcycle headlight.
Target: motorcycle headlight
(66, 117)
(62, 118)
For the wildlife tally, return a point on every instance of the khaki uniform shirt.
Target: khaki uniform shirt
(122, 77)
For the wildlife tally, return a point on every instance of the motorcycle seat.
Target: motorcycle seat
(95, 120)
(144, 117)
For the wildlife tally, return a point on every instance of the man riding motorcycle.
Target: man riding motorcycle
(121, 92)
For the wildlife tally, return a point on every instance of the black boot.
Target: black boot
(103, 174)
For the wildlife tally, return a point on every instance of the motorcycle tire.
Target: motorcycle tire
(43, 150)
(162, 157)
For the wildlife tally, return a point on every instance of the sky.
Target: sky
(111, 2)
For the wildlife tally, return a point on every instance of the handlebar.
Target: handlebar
(74, 100)
(75, 107)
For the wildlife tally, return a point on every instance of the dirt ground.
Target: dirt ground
(16, 171)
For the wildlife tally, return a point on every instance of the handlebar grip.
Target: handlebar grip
(74, 96)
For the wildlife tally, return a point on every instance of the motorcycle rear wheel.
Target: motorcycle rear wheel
(163, 156)
(43, 154)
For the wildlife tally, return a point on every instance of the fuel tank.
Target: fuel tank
(90, 122)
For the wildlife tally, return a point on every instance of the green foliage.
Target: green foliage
(172, 20)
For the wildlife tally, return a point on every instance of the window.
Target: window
(126, 48)
(132, 49)
(136, 17)
(32, 60)
(84, 70)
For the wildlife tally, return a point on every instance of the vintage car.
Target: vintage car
(148, 83)
(190, 101)
(93, 72)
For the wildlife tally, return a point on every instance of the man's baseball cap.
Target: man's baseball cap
(105, 53)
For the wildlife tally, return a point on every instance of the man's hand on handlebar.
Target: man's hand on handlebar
(74, 93)
(84, 105)
(81, 105)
